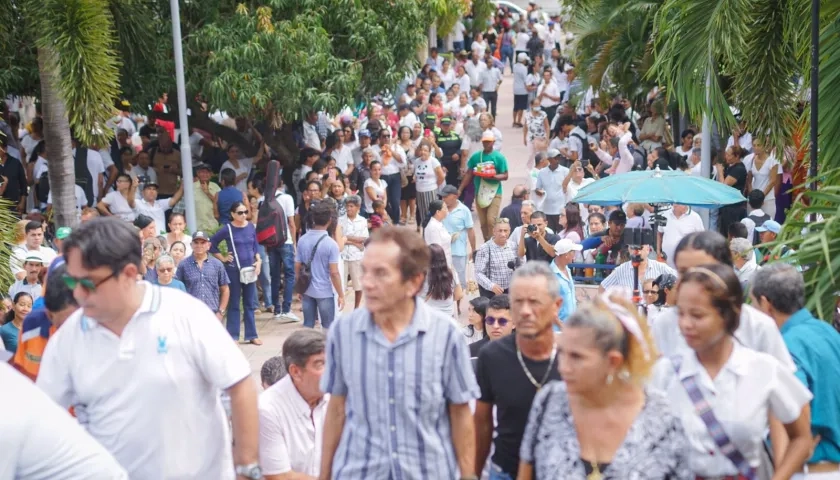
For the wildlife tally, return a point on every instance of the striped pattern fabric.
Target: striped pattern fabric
(397, 423)
(718, 434)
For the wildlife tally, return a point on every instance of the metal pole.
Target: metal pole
(706, 149)
(815, 85)
(186, 155)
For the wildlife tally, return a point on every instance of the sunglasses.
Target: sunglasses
(165, 270)
(87, 284)
(241, 212)
(651, 292)
(503, 220)
(502, 321)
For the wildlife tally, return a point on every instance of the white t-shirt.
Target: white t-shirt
(81, 199)
(549, 88)
(119, 206)
(343, 158)
(676, 229)
(196, 149)
(156, 210)
(522, 41)
(378, 190)
(761, 178)
(458, 32)
(744, 141)
(290, 431)
(425, 178)
(244, 167)
(41, 441)
(96, 168)
(155, 386)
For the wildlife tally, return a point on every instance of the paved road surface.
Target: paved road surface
(273, 333)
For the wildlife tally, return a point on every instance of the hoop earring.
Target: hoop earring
(624, 375)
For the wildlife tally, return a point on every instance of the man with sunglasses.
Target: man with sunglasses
(140, 362)
(512, 369)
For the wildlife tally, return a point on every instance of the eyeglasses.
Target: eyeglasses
(241, 212)
(89, 285)
(651, 292)
(502, 321)
(165, 270)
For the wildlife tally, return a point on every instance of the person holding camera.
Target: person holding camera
(623, 275)
(535, 243)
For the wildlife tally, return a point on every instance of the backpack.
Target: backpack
(83, 176)
(759, 221)
(587, 154)
(271, 219)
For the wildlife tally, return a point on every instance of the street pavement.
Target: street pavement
(273, 333)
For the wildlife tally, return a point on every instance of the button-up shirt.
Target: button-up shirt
(459, 221)
(203, 282)
(491, 265)
(551, 181)
(622, 276)
(815, 348)
(397, 395)
(567, 291)
(356, 227)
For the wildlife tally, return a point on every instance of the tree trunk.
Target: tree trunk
(59, 155)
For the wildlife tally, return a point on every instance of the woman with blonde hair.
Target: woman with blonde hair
(20, 233)
(601, 421)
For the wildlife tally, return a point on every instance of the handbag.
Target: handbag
(304, 277)
(704, 411)
(246, 274)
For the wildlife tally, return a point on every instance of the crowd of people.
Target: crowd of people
(697, 343)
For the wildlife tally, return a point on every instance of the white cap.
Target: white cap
(522, 57)
(565, 246)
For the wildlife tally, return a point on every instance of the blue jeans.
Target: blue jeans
(394, 193)
(282, 260)
(507, 55)
(265, 277)
(315, 307)
(248, 294)
(497, 475)
(457, 46)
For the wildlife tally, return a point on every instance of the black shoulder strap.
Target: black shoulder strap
(315, 249)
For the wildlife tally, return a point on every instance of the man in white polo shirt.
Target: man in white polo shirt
(34, 238)
(292, 411)
(143, 366)
(151, 206)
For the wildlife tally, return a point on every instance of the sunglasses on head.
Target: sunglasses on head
(502, 321)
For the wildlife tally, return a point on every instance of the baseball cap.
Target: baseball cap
(448, 190)
(364, 133)
(522, 57)
(199, 235)
(565, 246)
(568, 67)
(446, 120)
(488, 136)
(552, 153)
(203, 166)
(63, 233)
(431, 117)
(770, 226)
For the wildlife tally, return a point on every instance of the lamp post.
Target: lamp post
(186, 155)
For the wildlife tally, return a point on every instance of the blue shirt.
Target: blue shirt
(327, 254)
(244, 241)
(459, 220)
(567, 292)
(226, 198)
(10, 333)
(815, 348)
(203, 283)
(176, 284)
(397, 395)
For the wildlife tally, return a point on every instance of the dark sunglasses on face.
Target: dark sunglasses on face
(165, 270)
(241, 212)
(89, 285)
(492, 321)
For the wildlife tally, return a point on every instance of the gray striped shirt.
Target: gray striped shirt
(622, 276)
(397, 395)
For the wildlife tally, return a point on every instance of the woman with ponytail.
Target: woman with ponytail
(434, 232)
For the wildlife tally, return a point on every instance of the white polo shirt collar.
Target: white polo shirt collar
(149, 305)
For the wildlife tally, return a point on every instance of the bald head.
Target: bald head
(520, 192)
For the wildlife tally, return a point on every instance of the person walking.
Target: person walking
(414, 362)
(316, 269)
(136, 360)
(242, 264)
(488, 186)
(204, 276)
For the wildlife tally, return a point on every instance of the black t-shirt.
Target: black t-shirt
(533, 250)
(505, 385)
(739, 173)
(147, 131)
(476, 347)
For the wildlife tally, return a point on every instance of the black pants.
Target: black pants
(550, 112)
(492, 99)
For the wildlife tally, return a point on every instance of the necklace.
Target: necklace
(596, 471)
(528, 372)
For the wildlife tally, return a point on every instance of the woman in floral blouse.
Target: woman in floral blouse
(535, 131)
(601, 422)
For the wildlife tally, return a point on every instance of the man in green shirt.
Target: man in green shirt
(487, 169)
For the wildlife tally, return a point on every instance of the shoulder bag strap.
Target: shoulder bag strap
(716, 430)
(489, 260)
(233, 247)
(315, 249)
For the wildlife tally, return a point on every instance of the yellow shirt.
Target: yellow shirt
(204, 218)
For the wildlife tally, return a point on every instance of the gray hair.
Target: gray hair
(743, 248)
(608, 333)
(354, 199)
(301, 345)
(539, 269)
(273, 370)
(165, 258)
(372, 152)
(782, 285)
(528, 203)
(106, 242)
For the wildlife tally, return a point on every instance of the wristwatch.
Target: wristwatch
(251, 471)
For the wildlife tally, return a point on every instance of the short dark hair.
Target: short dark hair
(414, 256)
(258, 183)
(33, 225)
(756, 198)
(618, 217)
(566, 120)
(538, 214)
(227, 177)
(321, 214)
(499, 302)
(106, 242)
(707, 241)
(273, 370)
(57, 296)
(738, 230)
(301, 345)
(687, 132)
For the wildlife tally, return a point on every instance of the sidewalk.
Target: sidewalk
(273, 333)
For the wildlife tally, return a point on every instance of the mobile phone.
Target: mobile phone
(332, 174)
(584, 163)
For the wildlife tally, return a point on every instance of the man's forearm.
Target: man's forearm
(245, 418)
(333, 428)
(463, 437)
(224, 297)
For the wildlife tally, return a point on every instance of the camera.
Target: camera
(637, 237)
(514, 264)
(531, 228)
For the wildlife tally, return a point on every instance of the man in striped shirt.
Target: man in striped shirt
(399, 376)
(649, 269)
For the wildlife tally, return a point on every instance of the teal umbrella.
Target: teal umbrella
(655, 186)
